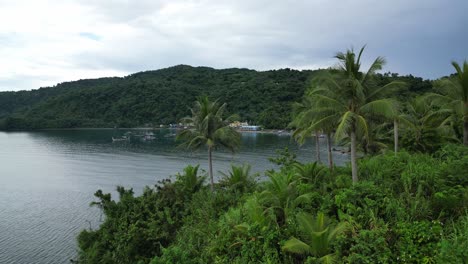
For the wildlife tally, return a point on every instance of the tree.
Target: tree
(210, 129)
(281, 195)
(303, 121)
(425, 128)
(189, 180)
(351, 96)
(239, 179)
(453, 94)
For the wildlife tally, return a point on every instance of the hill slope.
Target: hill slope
(159, 97)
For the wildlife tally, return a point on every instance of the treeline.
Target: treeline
(163, 97)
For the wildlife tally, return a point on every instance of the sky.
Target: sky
(43, 43)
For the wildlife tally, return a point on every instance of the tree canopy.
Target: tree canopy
(163, 96)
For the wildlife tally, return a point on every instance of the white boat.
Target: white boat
(148, 136)
(124, 138)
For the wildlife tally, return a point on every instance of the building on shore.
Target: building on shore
(244, 126)
(250, 128)
(237, 124)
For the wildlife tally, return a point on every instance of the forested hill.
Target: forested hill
(164, 96)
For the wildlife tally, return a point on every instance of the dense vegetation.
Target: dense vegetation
(163, 97)
(406, 208)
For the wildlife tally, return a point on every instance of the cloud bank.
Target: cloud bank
(47, 42)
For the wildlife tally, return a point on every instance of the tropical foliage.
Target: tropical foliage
(453, 94)
(409, 208)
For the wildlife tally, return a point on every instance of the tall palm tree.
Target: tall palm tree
(453, 94)
(350, 95)
(209, 129)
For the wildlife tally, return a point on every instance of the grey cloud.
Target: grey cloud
(418, 37)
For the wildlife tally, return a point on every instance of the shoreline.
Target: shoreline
(264, 131)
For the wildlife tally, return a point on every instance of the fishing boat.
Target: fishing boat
(125, 137)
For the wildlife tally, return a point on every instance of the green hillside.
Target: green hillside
(163, 97)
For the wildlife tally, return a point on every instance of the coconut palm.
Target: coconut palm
(316, 236)
(453, 94)
(301, 123)
(400, 119)
(309, 172)
(303, 120)
(377, 137)
(210, 129)
(239, 178)
(425, 127)
(350, 95)
(281, 195)
(190, 179)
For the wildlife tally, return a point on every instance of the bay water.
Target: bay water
(48, 178)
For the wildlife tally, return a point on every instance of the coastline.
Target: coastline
(264, 131)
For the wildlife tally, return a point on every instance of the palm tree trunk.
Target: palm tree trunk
(465, 132)
(317, 146)
(210, 164)
(329, 148)
(395, 135)
(354, 170)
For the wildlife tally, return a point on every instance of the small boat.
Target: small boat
(148, 136)
(170, 135)
(124, 138)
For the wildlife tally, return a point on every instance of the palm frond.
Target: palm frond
(383, 107)
(344, 125)
(377, 65)
(295, 245)
(388, 90)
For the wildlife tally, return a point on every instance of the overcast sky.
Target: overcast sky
(43, 43)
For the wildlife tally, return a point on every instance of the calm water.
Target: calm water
(48, 178)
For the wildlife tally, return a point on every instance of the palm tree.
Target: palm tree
(209, 129)
(239, 178)
(350, 96)
(453, 94)
(281, 195)
(317, 234)
(190, 181)
(309, 172)
(301, 123)
(377, 139)
(425, 126)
